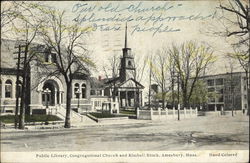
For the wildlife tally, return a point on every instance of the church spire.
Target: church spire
(125, 46)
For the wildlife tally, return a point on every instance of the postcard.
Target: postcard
(125, 81)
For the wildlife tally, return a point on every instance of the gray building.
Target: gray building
(38, 100)
(230, 91)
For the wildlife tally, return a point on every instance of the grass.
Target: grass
(130, 112)
(29, 118)
(105, 115)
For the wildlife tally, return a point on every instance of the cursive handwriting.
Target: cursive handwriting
(116, 7)
(145, 17)
(158, 29)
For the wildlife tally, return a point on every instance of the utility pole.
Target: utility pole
(232, 92)
(17, 86)
(24, 75)
(149, 91)
(173, 99)
(178, 94)
(248, 75)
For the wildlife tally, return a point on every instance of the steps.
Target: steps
(75, 117)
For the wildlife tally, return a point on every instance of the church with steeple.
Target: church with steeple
(125, 88)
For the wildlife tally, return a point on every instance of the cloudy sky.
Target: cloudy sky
(151, 26)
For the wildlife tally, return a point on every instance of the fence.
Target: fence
(160, 114)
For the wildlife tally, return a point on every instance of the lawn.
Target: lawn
(105, 115)
(130, 112)
(29, 118)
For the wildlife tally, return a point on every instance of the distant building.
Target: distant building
(230, 90)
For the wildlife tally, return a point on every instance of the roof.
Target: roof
(220, 75)
(130, 83)
(9, 53)
(95, 83)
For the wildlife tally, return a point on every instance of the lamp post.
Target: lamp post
(47, 92)
(178, 94)
(78, 92)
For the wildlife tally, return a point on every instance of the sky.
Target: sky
(106, 40)
(151, 25)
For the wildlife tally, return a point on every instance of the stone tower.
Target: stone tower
(127, 68)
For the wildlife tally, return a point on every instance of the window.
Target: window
(210, 82)
(219, 90)
(8, 89)
(221, 99)
(245, 97)
(210, 89)
(77, 90)
(129, 63)
(92, 92)
(53, 58)
(46, 57)
(83, 90)
(219, 81)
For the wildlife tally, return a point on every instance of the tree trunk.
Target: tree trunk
(248, 87)
(185, 99)
(163, 100)
(22, 112)
(68, 106)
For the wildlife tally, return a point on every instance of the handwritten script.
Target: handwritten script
(156, 18)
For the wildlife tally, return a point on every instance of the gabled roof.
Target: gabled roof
(8, 61)
(130, 83)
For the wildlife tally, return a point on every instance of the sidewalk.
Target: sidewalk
(10, 127)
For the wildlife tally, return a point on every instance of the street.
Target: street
(204, 133)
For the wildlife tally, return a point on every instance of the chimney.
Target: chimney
(99, 78)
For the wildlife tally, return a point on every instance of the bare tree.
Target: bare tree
(66, 42)
(9, 12)
(138, 76)
(20, 22)
(161, 70)
(190, 60)
(113, 67)
(236, 23)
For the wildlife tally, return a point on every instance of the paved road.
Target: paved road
(191, 134)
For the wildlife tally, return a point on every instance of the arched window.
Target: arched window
(46, 56)
(8, 89)
(129, 63)
(83, 90)
(53, 58)
(77, 90)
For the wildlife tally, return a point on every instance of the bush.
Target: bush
(30, 118)
(105, 115)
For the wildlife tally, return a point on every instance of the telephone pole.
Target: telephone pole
(17, 86)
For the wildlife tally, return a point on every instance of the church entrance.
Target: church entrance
(50, 93)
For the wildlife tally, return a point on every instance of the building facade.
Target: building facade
(45, 93)
(230, 91)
